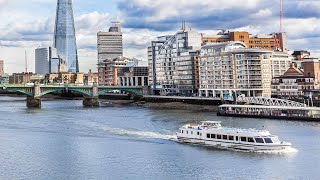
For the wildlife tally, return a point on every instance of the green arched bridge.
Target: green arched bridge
(90, 93)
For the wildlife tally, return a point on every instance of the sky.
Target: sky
(29, 24)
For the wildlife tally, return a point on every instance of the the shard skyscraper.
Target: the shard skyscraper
(64, 35)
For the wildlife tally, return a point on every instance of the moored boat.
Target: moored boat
(211, 133)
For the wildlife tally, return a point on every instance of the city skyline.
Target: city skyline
(142, 23)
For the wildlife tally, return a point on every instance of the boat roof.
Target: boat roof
(271, 107)
(242, 132)
(211, 122)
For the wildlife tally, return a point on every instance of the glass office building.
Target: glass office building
(64, 35)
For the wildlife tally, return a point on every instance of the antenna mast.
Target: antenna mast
(281, 15)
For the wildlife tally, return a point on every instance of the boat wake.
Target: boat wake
(139, 134)
(284, 151)
(156, 135)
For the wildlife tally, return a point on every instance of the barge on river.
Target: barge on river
(270, 112)
(211, 133)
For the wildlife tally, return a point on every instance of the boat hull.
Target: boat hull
(234, 145)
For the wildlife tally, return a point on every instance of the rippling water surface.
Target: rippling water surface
(63, 140)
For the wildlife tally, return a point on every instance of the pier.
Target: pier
(271, 112)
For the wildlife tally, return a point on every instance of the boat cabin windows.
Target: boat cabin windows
(182, 131)
(268, 140)
(187, 132)
(247, 139)
(259, 140)
(191, 132)
(225, 137)
(198, 133)
(250, 139)
(212, 136)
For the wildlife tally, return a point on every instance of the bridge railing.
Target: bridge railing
(270, 101)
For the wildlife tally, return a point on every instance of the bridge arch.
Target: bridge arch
(69, 89)
(22, 92)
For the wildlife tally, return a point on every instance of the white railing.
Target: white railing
(270, 101)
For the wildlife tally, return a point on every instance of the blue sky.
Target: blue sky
(28, 24)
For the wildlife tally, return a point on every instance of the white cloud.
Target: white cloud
(3, 2)
(263, 13)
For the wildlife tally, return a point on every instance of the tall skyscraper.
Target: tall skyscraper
(43, 58)
(110, 43)
(1, 67)
(64, 35)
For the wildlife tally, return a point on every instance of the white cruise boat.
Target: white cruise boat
(211, 133)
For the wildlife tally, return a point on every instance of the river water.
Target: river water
(63, 140)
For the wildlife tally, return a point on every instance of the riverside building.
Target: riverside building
(297, 83)
(134, 74)
(108, 70)
(274, 41)
(280, 63)
(153, 50)
(230, 67)
(173, 59)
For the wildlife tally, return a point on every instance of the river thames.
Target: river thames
(63, 140)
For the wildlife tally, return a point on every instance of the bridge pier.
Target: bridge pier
(94, 100)
(91, 102)
(33, 102)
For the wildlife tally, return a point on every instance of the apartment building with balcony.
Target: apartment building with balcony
(280, 63)
(230, 67)
(153, 51)
(173, 61)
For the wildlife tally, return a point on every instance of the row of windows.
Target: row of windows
(191, 132)
(232, 138)
(242, 139)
